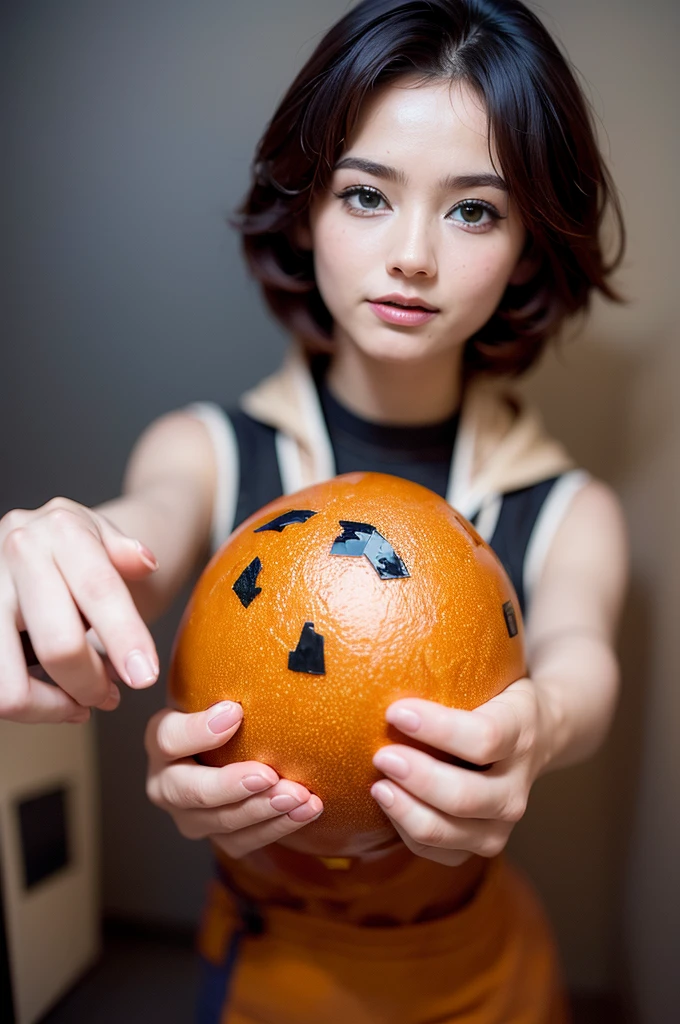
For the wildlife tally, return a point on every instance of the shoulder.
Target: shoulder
(186, 425)
(585, 571)
(178, 440)
(593, 528)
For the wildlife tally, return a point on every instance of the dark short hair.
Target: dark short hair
(539, 122)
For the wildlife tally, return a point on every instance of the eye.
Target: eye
(474, 213)
(363, 199)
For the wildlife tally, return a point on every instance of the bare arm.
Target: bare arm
(167, 501)
(571, 629)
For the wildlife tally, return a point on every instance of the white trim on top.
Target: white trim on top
(460, 470)
(488, 517)
(548, 521)
(225, 448)
(290, 463)
(316, 431)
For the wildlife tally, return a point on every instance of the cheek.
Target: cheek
(328, 274)
(483, 273)
(336, 259)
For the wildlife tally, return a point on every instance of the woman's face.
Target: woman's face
(416, 238)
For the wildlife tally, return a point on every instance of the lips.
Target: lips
(414, 302)
(403, 311)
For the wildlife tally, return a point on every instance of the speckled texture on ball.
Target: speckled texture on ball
(439, 633)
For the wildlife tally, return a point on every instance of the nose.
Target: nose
(411, 249)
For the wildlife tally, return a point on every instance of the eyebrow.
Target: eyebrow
(452, 183)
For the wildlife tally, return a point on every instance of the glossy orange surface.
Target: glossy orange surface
(440, 633)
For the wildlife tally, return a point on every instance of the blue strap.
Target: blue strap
(215, 981)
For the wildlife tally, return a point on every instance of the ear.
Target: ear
(527, 265)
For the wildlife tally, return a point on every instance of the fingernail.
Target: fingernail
(391, 764)
(256, 783)
(139, 669)
(307, 812)
(404, 719)
(284, 802)
(227, 714)
(382, 792)
(114, 694)
(146, 556)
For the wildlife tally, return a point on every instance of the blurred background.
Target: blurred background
(127, 133)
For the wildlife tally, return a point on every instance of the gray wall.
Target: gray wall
(128, 130)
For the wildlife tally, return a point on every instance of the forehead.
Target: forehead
(408, 119)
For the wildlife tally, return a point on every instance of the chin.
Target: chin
(397, 347)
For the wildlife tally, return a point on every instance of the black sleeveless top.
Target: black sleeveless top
(421, 454)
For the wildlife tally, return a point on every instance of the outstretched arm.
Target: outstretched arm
(167, 502)
(572, 626)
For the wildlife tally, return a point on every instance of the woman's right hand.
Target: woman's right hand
(61, 570)
(240, 807)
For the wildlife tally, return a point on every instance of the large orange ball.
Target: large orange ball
(323, 608)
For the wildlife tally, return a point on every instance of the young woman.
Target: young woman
(425, 212)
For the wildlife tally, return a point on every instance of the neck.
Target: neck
(409, 393)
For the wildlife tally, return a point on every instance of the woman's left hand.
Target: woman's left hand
(444, 812)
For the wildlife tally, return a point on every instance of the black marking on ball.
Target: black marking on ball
(308, 655)
(296, 515)
(510, 619)
(359, 539)
(245, 588)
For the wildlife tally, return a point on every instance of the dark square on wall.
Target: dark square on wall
(43, 827)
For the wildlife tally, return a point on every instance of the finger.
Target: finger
(131, 558)
(42, 703)
(487, 734)
(172, 735)
(12, 520)
(22, 697)
(453, 791)
(105, 601)
(112, 700)
(33, 664)
(54, 624)
(423, 828)
(48, 704)
(238, 844)
(245, 810)
(186, 785)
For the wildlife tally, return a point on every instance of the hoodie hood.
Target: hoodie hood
(501, 445)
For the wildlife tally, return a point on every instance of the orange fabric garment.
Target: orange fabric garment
(393, 888)
(492, 961)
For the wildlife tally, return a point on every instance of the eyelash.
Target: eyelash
(355, 190)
